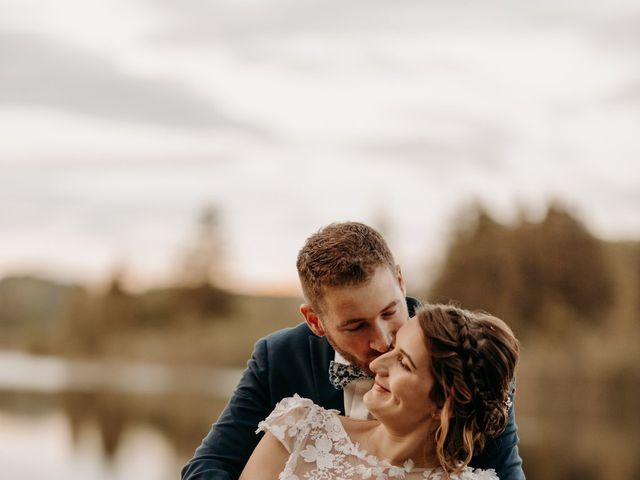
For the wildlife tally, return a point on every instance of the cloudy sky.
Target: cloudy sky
(121, 120)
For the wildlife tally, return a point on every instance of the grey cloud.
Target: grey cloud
(238, 23)
(36, 72)
(261, 31)
(482, 146)
(621, 33)
(628, 95)
(250, 22)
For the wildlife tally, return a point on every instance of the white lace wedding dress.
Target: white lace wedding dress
(320, 449)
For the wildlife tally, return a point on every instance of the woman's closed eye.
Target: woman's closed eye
(401, 361)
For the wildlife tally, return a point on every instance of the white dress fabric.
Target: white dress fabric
(320, 449)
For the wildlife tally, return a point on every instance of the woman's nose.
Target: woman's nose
(378, 365)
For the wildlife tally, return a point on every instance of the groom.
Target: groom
(355, 303)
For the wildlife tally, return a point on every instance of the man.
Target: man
(355, 303)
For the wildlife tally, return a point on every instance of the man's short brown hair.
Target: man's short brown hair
(340, 254)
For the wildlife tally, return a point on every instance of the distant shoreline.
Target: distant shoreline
(21, 371)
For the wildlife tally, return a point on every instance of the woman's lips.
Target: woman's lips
(379, 387)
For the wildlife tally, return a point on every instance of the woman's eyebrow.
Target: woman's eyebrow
(408, 358)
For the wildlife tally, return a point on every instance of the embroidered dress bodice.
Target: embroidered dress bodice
(320, 449)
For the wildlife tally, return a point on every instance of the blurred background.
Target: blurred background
(161, 163)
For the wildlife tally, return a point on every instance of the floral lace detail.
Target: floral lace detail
(320, 449)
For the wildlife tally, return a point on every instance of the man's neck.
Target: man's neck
(340, 359)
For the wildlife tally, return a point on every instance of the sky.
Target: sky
(120, 121)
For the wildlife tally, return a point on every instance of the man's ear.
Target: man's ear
(401, 280)
(312, 319)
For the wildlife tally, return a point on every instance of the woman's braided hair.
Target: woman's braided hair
(473, 358)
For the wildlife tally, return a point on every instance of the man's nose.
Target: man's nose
(382, 337)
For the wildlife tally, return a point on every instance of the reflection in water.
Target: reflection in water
(144, 453)
(41, 448)
(99, 436)
(24, 439)
(179, 419)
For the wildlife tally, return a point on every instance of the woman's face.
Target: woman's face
(403, 381)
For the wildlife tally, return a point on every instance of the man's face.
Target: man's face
(361, 321)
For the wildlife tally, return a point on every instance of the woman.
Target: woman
(438, 395)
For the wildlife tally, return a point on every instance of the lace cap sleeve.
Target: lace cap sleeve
(288, 419)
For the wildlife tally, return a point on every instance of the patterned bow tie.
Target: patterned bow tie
(340, 375)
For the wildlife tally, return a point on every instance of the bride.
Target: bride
(438, 395)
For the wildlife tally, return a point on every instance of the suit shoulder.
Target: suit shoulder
(288, 336)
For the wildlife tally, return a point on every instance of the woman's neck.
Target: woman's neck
(397, 446)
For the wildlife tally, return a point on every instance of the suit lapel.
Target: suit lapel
(321, 354)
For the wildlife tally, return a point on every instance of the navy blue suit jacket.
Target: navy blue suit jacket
(289, 361)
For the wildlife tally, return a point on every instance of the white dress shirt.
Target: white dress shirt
(353, 405)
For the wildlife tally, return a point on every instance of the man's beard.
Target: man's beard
(352, 358)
